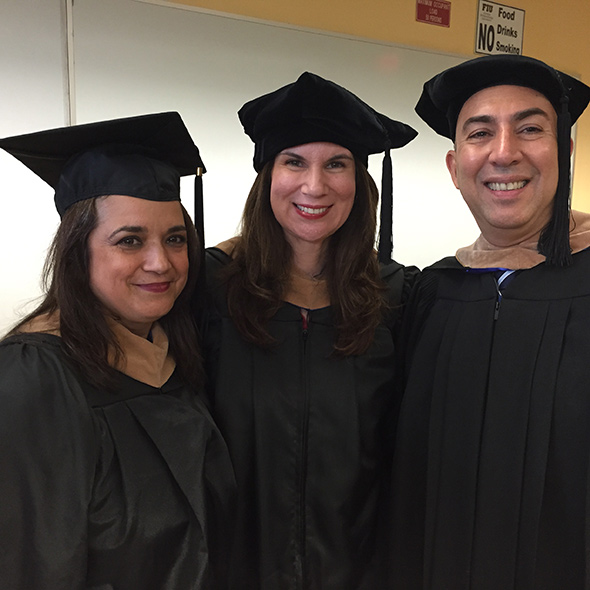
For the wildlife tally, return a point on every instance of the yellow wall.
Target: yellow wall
(554, 31)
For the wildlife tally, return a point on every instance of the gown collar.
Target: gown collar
(142, 360)
(483, 254)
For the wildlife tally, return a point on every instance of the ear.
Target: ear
(452, 166)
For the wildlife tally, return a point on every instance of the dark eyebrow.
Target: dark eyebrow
(177, 228)
(300, 157)
(520, 116)
(131, 229)
(341, 157)
(291, 155)
(138, 229)
(477, 119)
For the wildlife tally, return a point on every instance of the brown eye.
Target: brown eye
(293, 162)
(129, 242)
(177, 240)
(479, 134)
(531, 129)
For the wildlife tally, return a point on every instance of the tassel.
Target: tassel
(198, 206)
(386, 226)
(199, 294)
(554, 242)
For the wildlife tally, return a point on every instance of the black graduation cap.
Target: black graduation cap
(142, 156)
(444, 95)
(314, 109)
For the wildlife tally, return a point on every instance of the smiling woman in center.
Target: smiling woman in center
(300, 341)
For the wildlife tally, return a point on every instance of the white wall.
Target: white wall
(134, 57)
(33, 97)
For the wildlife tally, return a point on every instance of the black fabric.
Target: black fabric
(310, 438)
(115, 170)
(491, 471)
(106, 491)
(314, 109)
(141, 157)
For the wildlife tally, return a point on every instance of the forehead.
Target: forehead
(498, 101)
(124, 208)
(320, 148)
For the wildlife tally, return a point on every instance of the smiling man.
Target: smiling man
(505, 162)
(491, 476)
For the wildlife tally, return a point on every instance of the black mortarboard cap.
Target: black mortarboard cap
(444, 95)
(142, 156)
(314, 109)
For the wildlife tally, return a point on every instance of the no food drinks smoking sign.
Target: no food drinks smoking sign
(499, 29)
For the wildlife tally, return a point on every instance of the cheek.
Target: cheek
(347, 192)
(279, 185)
(108, 271)
(181, 264)
(465, 165)
(347, 205)
(273, 198)
(98, 268)
(104, 284)
(462, 173)
(278, 199)
(550, 163)
(99, 260)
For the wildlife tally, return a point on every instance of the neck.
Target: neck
(308, 260)
(502, 240)
(141, 329)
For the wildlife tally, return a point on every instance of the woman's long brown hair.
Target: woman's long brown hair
(83, 328)
(259, 271)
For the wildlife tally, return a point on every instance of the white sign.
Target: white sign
(500, 29)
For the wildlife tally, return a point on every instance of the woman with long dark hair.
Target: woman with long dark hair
(301, 341)
(113, 474)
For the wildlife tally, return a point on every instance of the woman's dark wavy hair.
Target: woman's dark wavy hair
(83, 328)
(257, 276)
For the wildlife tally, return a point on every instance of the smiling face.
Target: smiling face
(138, 259)
(312, 192)
(505, 162)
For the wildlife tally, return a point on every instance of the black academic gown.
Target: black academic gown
(492, 458)
(111, 491)
(310, 439)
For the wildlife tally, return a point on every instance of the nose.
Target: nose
(156, 259)
(314, 183)
(506, 148)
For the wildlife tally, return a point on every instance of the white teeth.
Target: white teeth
(311, 210)
(506, 186)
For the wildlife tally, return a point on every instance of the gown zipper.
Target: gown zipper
(301, 526)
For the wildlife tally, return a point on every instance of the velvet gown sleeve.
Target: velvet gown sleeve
(47, 458)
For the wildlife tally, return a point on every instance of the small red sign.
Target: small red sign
(434, 12)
